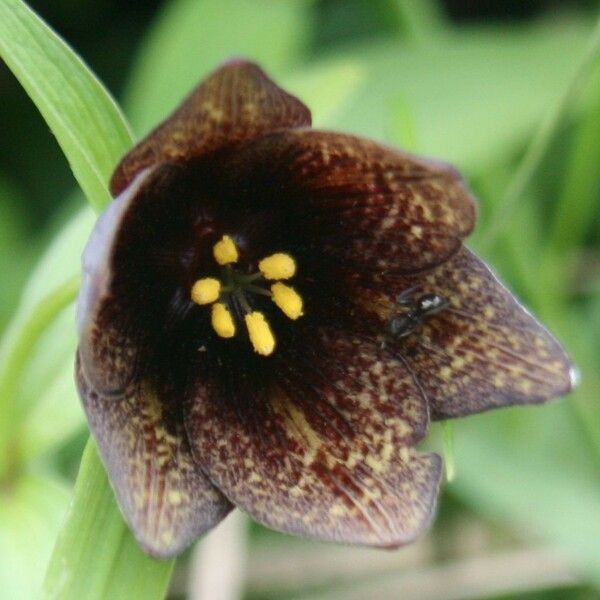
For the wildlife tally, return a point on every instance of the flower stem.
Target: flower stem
(16, 358)
(448, 431)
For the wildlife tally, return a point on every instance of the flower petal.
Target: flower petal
(326, 451)
(97, 255)
(372, 207)
(483, 351)
(166, 499)
(236, 103)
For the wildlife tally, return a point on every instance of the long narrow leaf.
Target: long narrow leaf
(84, 118)
(95, 556)
(11, 412)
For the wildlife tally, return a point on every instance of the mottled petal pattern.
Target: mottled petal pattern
(327, 450)
(164, 496)
(314, 430)
(237, 102)
(372, 207)
(483, 351)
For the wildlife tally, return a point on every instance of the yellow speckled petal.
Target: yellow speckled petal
(485, 350)
(166, 499)
(326, 452)
(364, 205)
(237, 102)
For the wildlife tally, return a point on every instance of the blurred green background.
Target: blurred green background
(473, 83)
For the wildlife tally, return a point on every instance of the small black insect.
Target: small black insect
(417, 309)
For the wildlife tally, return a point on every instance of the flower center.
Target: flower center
(229, 294)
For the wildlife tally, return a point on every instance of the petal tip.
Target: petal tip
(429, 502)
(158, 549)
(237, 102)
(574, 378)
(238, 61)
(163, 541)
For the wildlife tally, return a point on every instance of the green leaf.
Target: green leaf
(32, 508)
(58, 415)
(12, 243)
(420, 21)
(60, 263)
(37, 361)
(578, 197)
(15, 360)
(95, 555)
(55, 418)
(81, 114)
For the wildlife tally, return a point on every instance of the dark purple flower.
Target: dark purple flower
(272, 315)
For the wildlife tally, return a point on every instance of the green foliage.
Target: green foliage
(473, 96)
(93, 135)
(11, 241)
(82, 116)
(95, 556)
(31, 511)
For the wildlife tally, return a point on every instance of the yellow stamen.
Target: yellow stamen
(288, 300)
(277, 266)
(225, 251)
(222, 321)
(260, 333)
(206, 290)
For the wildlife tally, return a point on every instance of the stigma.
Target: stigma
(231, 294)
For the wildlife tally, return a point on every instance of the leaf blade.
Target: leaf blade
(95, 555)
(96, 542)
(87, 123)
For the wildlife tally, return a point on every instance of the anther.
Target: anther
(287, 299)
(277, 266)
(206, 290)
(260, 333)
(222, 321)
(225, 251)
